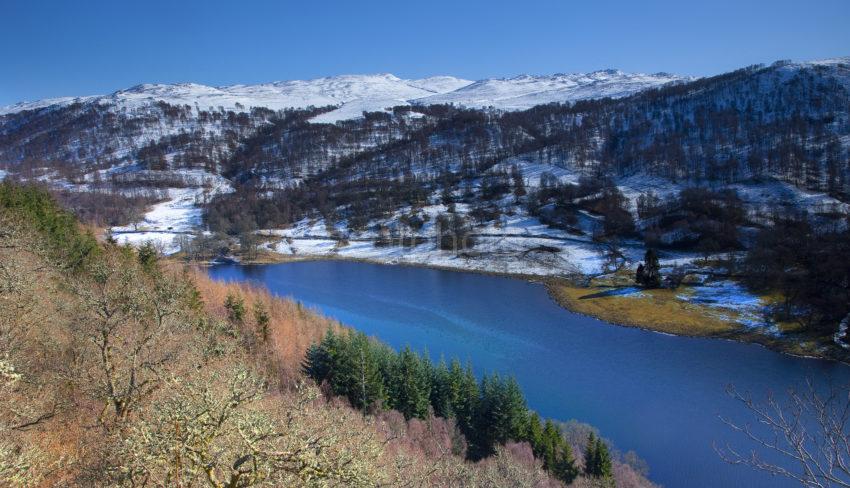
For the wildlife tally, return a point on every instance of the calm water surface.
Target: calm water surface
(656, 394)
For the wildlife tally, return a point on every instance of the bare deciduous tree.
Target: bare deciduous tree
(130, 326)
(220, 432)
(26, 401)
(807, 428)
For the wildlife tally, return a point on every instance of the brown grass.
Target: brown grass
(292, 327)
(653, 309)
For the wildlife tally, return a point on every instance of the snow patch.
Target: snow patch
(731, 297)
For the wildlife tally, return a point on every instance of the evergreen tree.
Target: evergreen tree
(358, 375)
(519, 182)
(514, 410)
(483, 439)
(411, 385)
(552, 438)
(489, 413)
(261, 317)
(591, 462)
(235, 307)
(315, 364)
(639, 274)
(548, 444)
(597, 458)
(502, 414)
(534, 435)
(350, 364)
(464, 396)
(441, 390)
(649, 273)
(564, 467)
(364, 386)
(603, 456)
(148, 257)
(318, 362)
(66, 242)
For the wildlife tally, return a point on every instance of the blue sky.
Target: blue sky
(58, 48)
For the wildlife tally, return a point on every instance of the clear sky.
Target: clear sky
(62, 48)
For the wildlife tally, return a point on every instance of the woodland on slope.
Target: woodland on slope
(787, 123)
(119, 369)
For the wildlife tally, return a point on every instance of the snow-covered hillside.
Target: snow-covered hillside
(371, 92)
(526, 91)
(354, 94)
(777, 135)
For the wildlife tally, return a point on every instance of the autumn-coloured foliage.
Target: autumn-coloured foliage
(291, 327)
(122, 370)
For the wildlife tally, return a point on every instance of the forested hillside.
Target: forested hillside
(711, 168)
(119, 369)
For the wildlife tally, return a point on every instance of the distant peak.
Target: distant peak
(141, 87)
(154, 87)
(608, 71)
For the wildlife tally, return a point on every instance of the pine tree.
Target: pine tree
(412, 389)
(464, 396)
(261, 317)
(315, 364)
(519, 182)
(565, 466)
(354, 372)
(649, 273)
(603, 456)
(548, 444)
(318, 362)
(441, 390)
(369, 384)
(235, 307)
(591, 460)
(148, 257)
(597, 458)
(554, 439)
(515, 410)
(534, 435)
(639, 274)
(483, 440)
(502, 414)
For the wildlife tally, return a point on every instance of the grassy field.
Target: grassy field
(652, 309)
(660, 310)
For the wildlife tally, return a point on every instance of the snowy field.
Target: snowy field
(180, 214)
(519, 244)
(508, 254)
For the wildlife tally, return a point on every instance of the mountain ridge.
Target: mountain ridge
(442, 88)
(376, 89)
(540, 191)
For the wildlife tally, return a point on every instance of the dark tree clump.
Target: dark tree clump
(649, 272)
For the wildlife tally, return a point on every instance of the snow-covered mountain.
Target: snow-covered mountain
(354, 94)
(526, 91)
(370, 92)
(229, 158)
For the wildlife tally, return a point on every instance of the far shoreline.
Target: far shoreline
(555, 288)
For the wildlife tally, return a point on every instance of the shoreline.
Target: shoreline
(735, 332)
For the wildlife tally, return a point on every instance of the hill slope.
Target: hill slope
(119, 370)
